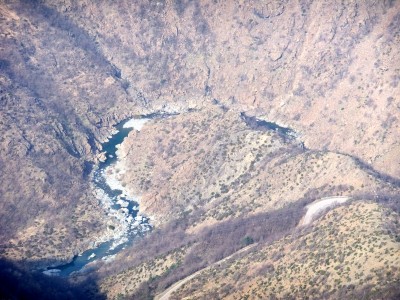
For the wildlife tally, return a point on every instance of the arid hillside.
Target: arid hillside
(215, 182)
(214, 161)
(271, 105)
(59, 98)
(348, 254)
(326, 68)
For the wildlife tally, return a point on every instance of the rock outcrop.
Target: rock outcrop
(70, 70)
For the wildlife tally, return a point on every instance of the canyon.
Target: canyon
(273, 107)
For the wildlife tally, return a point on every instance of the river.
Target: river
(115, 202)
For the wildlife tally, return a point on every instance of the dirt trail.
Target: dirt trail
(313, 209)
(168, 292)
(318, 206)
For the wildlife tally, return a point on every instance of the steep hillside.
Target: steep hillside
(59, 98)
(271, 105)
(214, 183)
(212, 161)
(329, 69)
(352, 252)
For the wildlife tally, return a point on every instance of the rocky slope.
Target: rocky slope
(220, 182)
(212, 179)
(350, 252)
(347, 255)
(328, 69)
(212, 161)
(59, 99)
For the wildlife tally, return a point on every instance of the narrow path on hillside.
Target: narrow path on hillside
(168, 292)
(313, 210)
(318, 206)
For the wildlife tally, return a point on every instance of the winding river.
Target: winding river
(116, 203)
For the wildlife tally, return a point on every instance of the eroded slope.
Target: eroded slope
(252, 187)
(211, 160)
(352, 251)
(59, 98)
(328, 69)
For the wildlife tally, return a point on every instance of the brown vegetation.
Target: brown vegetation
(347, 255)
(69, 70)
(327, 69)
(55, 110)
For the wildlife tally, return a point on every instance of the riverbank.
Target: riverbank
(119, 205)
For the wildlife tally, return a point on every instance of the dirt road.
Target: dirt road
(168, 292)
(318, 206)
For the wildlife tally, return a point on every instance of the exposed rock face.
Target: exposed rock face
(328, 69)
(71, 69)
(59, 99)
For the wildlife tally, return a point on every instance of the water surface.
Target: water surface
(137, 226)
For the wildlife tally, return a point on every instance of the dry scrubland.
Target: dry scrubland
(214, 184)
(349, 253)
(327, 68)
(212, 161)
(59, 99)
(128, 281)
(226, 185)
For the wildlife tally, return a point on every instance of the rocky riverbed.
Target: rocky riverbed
(118, 203)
